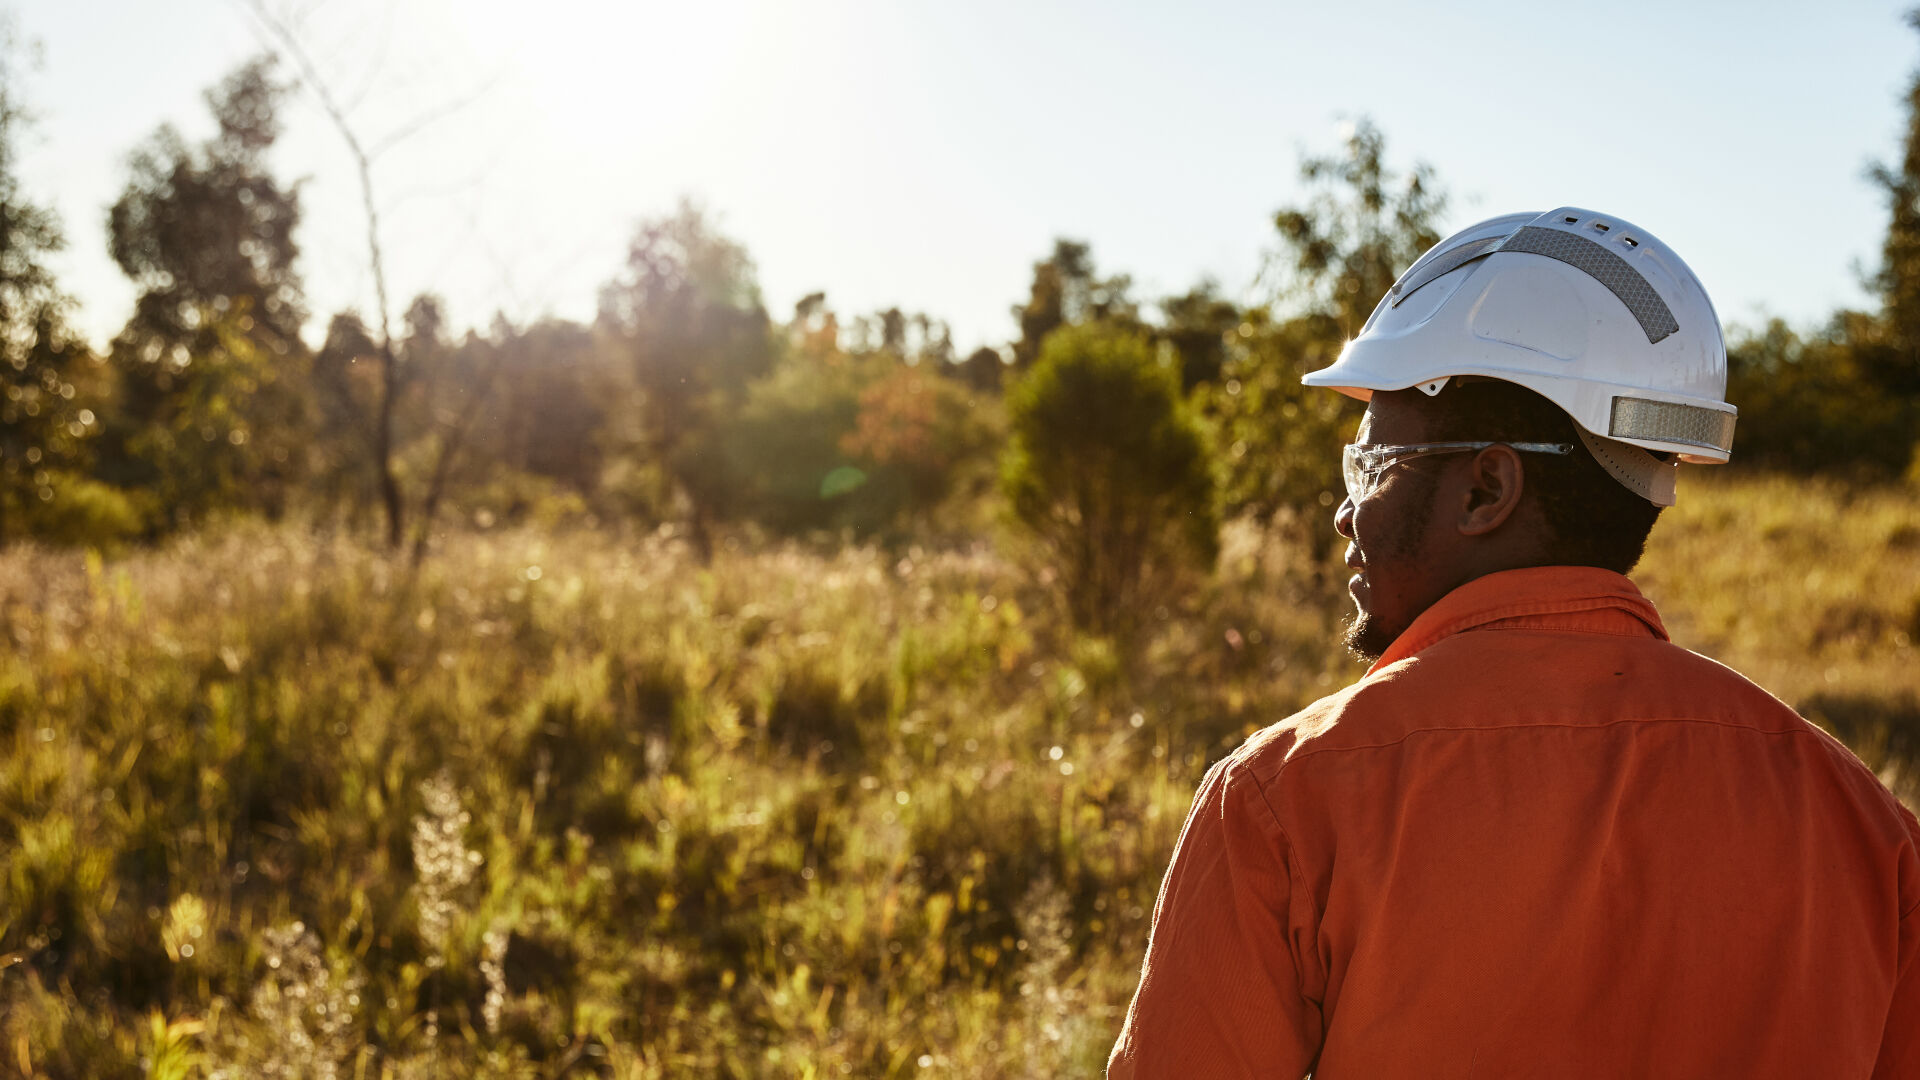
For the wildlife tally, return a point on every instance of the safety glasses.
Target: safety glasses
(1363, 466)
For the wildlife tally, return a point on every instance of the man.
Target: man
(1537, 838)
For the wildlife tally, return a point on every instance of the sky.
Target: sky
(924, 156)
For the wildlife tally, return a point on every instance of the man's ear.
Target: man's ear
(1495, 482)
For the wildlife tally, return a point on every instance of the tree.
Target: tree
(919, 426)
(852, 435)
(784, 447)
(1278, 441)
(46, 416)
(1340, 251)
(688, 310)
(554, 395)
(1196, 325)
(1109, 472)
(1362, 225)
(982, 370)
(1813, 402)
(1886, 358)
(209, 408)
(1898, 279)
(390, 373)
(1067, 291)
(345, 387)
(455, 384)
(365, 154)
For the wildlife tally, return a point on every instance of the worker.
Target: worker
(1537, 838)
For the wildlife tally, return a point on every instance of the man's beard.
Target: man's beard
(1398, 540)
(1365, 638)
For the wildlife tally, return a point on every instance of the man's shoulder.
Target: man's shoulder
(1500, 680)
(1268, 750)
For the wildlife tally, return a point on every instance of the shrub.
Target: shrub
(1109, 471)
(1828, 401)
(1280, 441)
(84, 511)
(919, 426)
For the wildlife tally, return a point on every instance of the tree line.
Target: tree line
(1120, 429)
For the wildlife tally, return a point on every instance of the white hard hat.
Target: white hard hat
(1589, 311)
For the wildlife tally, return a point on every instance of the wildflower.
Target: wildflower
(308, 1010)
(1055, 1004)
(493, 968)
(442, 863)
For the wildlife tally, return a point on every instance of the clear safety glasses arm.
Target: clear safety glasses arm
(1363, 465)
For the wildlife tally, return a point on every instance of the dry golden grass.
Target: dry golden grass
(573, 804)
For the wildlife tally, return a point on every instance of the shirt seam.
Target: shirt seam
(1295, 879)
(1532, 609)
(1629, 601)
(1552, 630)
(1297, 758)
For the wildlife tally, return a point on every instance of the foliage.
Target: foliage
(1818, 403)
(1340, 251)
(1278, 441)
(200, 224)
(1898, 278)
(688, 309)
(785, 445)
(49, 384)
(556, 386)
(343, 386)
(1363, 225)
(867, 435)
(49, 381)
(28, 232)
(1066, 291)
(1198, 326)
(83, 512)
(982, 370)
(209, 409)
(224, 430)
(1109, 472)
(922, 427)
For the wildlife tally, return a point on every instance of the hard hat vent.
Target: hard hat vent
(1444, 263)
(1604, 267)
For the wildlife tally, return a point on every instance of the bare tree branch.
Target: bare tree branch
(417, 124)
(453, 436)
(389, 363)
(378, 64)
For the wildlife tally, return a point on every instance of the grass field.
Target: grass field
(573, 804)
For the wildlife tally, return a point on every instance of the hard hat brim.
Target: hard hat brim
(1603, 409)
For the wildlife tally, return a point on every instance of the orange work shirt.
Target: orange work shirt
(1536, 839)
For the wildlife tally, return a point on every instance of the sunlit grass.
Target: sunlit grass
(270, 801)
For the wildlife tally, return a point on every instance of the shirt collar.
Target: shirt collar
(1580, 598)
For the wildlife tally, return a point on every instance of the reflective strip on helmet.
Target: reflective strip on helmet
(1670, 421)
(1604, 267)
(1445, 263)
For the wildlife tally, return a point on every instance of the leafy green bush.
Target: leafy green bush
(1279, 442)
(785, 444)
(1109, 471)
(81, 511)
(1822, 402)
